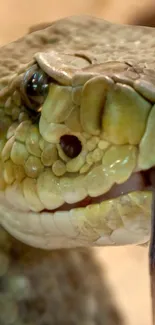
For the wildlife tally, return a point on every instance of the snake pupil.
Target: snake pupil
(71, 145)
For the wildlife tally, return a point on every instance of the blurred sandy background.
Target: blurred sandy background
(127, 267)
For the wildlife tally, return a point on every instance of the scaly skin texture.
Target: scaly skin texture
(103, 97)
(102, 91)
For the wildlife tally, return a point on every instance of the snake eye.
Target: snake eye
(36, 86)
(71, 145)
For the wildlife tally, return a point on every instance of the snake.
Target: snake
(77, 134)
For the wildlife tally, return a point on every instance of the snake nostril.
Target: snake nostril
(71, 145)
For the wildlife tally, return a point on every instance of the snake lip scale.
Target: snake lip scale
(138, 181)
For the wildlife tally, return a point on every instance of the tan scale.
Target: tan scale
(15, 113)
(8, 106)
(58, 104)
(102, 144)
(5, 123)
(16, 98)
(42, 144)
(52, 132)
(119, 163)
(2, 183)
(125, 115)
(92, 143)
(49, 154)
(97, 155)
(19, 172)
(62, 154)
(146, 87)
(93, 96)
(59, 168)
(23, 116)
(22, 131)
(19, 153)
(30, 193)
(6, 151)
(89, 158)
(48, 187)
(76, 95)
(73, 189)
(147, 146)
(9, 175)
(75, 164)
(2, 144)
(85, 168)
(32, 141)
(11, 130)
(33, 166)
(73, 120)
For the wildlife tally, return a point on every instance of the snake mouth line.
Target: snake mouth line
(138, 181)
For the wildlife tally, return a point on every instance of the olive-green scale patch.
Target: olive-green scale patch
(104, 115)
(125, 115)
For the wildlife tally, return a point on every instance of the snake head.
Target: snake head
(76, 148)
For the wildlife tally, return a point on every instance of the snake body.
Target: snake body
(77, 121)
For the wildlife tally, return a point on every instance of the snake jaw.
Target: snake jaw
(101, 220)
(136, 182)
